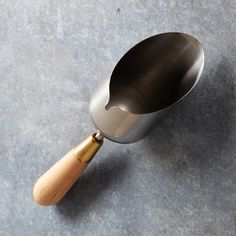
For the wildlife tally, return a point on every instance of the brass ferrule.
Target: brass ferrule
(86, 150)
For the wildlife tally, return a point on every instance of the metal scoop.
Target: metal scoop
(147, 81)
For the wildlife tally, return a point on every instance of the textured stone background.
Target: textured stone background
(180, 180)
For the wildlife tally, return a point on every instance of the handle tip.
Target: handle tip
(38, 195)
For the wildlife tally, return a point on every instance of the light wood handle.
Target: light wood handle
(56, 182)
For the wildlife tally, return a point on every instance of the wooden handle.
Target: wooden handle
(55, 183)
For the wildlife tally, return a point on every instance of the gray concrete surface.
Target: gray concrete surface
(180, 180)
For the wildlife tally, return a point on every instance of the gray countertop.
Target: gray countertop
(180, 180)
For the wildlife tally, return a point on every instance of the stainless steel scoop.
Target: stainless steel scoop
(147, 81)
